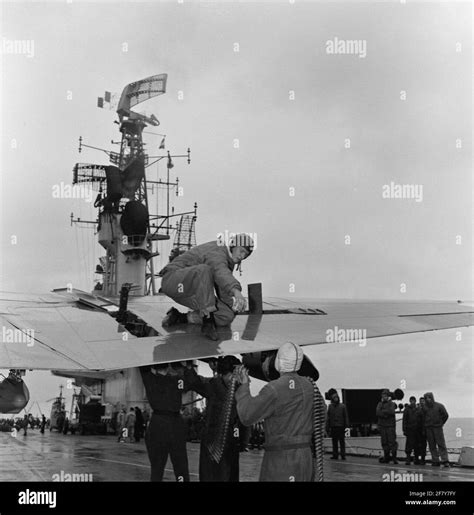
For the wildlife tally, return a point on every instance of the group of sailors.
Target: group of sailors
(131, 426)
(28, 420)
(422, 423)
(285, 404)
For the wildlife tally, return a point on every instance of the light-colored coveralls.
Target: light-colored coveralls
(192, 278)
(286, 405)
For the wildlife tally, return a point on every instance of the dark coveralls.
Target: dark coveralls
(191, 278)
(165, 434)
(386, 422)
(435, 418)
(337, 421)
(420, 449)
(215, 391)
(410, 424)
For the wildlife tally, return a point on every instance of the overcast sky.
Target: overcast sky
(405, 106)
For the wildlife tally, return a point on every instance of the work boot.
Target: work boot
(174, 317)
(394, 458)
(208, 328)
(385, 458)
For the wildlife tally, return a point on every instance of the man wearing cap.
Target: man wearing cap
(286, 406)
(410, 424)
(202, 280)
(220, 443)
(336, 423)
(420, 448)
(435, 418)
(386, 422)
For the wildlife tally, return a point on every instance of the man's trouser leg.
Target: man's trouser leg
(392, 439)
(430, 436)
(157, 454)
(334, 438)
(392, 442)
(410, 442)
(384, 440)
(338, 439)
(440, 442)
(234, 464)
(224, 314)
(192, 287)
(157, 442)
(178, 451)
(342, 442)
(421, 444)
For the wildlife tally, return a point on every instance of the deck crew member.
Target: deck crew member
(385, 412)
(410, 424)
(220, 442)
(435, 418)
(130, 424)
(201, 279)
(420, 449)
(286, 406)
(336, 423)
(121, 424)
(165, 435)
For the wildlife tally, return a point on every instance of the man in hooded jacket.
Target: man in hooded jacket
(286, 406)
(201, 279)
(410, 424)
(435, 416)
(385, 412)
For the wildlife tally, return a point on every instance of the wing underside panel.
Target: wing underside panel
(69, 336)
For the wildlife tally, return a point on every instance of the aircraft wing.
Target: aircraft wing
(74, 330)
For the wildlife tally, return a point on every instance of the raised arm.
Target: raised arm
(197, 383)
(252, 409)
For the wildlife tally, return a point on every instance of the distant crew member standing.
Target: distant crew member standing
(420, 450)
(336, 423)
(386, 422)
(191, 278)
(411, 416)
(435, 418)
(121, 424)
(286, 406)
(130, 423)
(139, 423)
(165, 434)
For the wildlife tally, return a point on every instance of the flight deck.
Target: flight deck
(54, 456)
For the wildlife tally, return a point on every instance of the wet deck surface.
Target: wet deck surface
(38, 457)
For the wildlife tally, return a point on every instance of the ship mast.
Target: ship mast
(125, 227)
